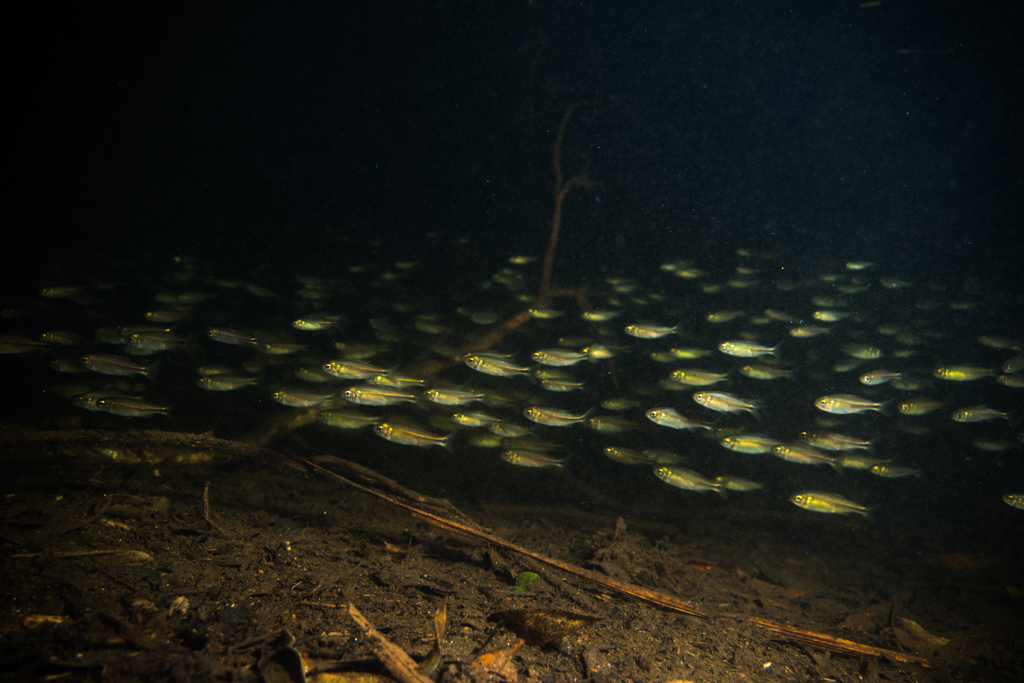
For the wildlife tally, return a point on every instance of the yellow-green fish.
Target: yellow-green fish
(961, 373)
(555, 418)
(848, 404)
(884, 469)
(876, 377)
(650, 331)
(862, 351)
(1015, 500)
(698, 378)
(347, 419)
(412, 436)
(559, 357)
(978, 414)
(749, 443)
(737, 484)
(804, 455)
(110, 364)
(673, 419)
(371, 395)
(527, 458)
(765, 372)
(831, 441)
(817, 501)
(492, 365)
(743, 349)
(344, 368)
(688, 480)
(130, 406)
(726, 403)
(919, 406)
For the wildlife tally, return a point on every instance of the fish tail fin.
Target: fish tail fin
(150, 371)
(884, 409)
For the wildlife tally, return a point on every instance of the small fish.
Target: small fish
(300, 398)
(626, 456)
(859, 265)
(671, 418)
(619, 403)
(831, 441)
(352, 369)
(452, 397)
(804, 455)
(817, 501)
(599, 316)
(719, 317)
(884, 469)
(748, 443)
(1001, 342)
(109, 364)
(698, 378)
(848, 404)
(742, 349)
(347, 419)
(827, 316)
(130, 406)
(597, 352)
(559, 358)
(560, 385)
(412, 436)
(737, 484)
(278, 348)
(862, 351)
(726, 403)
(154, 340)
(806, 331)
(1014, 500)
(688, 353)
(317, 322)
(650, 331)
(527, 458)
(610, 424)
(509, 430)
(688, 480)
(978, 414)
(1013, 365)
(876, 377)
(225, 382)
(491, 365)
(225, 335)
(371, 395)
(765, 372)
(474, 419)
(961, 373)
(544, 313)
(919, 406)
(1011, 381)
(859, 461)
(555, 418)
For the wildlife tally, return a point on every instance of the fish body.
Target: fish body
(1015, 500)
(110, 364)
(832, 441)
(452, 397)
(226, 335)
(862, 351)
(737, 484)
(765, 372)
(412, 436)
(888, 471)
(919, 406)
(688, 480)
(978, 414)
(688, 353)
(371, 395)
(317, 322)
(598, 316)
(698, 378)
(831, 503)
(300, 398)
(726, 403)
(848, 404)
(473, 419)
(347, 419)
(626, 456)
(130, 406)
(961, 373)
(352, 369)
(742, 349)
(491, 365)
(876, 377)
(528, 458)
(559, 358)
(748, 443)
(650, 331)
(673, 419)
(553, 417)
(807, 331)
(804, 455)
(225, 382)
